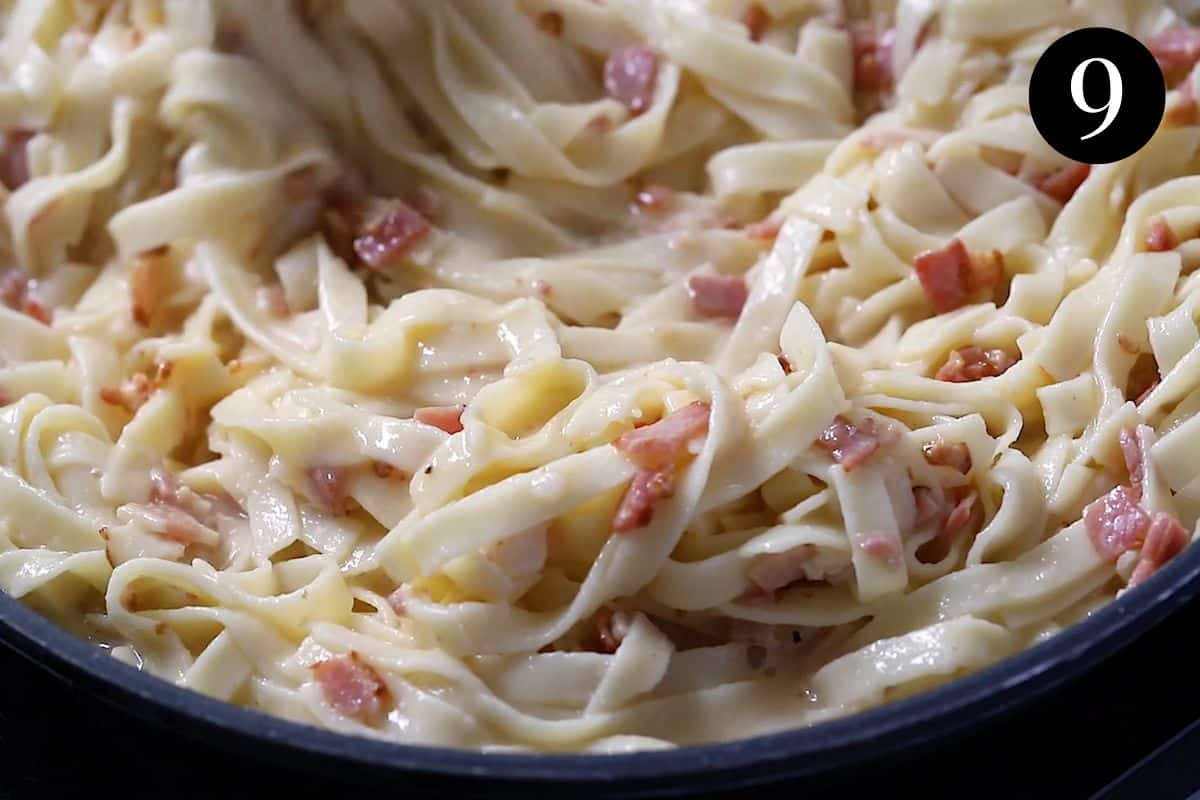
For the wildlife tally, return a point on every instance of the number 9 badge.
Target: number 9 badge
(1097, 95)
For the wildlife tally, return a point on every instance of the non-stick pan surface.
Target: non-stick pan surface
(828, 749)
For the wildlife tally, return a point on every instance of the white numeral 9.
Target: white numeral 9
(1115, 93)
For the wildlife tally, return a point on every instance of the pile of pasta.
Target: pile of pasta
(582, 374)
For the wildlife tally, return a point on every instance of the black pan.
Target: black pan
(829, 749)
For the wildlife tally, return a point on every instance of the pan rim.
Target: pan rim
(880, 732)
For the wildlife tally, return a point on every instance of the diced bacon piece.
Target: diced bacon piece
(446, 418)
(16, 292)
(392, 233)
(147, 285)
(1176, 50)
(973, 363)
(1116, 523)
(328, 487)
(631, 75)
(883, 547)
(944, 276)
(872, 57)
(273, 301)
(774, 571)
(130, 395)
(666, 442)
(850, 444)
(350, 685)
(718, 296)
(14, 159)
(948, 454)
(959, 515)
(1165, 540)
(654, 198)
(178, 526)
(611, 629)
(1131, 450)
(756, 19)
(641, 498)
(766, 230)
(1160, 237)
(1063, 182)
(928, 508)
(986, 269)
(550, 23)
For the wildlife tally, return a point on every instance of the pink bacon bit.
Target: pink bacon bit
(1165, 540)
(328, 488)
(147, 285)
(718, 296)
(1176, 50)
(872, 57)
(950, 275)
(928, 508)
(392, 233)
(883, 547)
(630, 77)
(351, 686)
(948, 454)
(1159, 236)
(1063, 182)
(959, 516)
(130, 395)
(756, 19)
(665, 443)
(1131, 450)
(765, 230)
(16, 291)
(14, 159)
(1115, 523)
(641, 498)
(972, 363)
(446, 418)
(774, 571)
(854, 444)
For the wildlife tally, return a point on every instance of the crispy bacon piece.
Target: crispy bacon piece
(14, 159)
(205, 508)
(351, 686)
(391, 233)
(328, 487)
(948, 454)
(1115, 523)
(147, 285)
(1063, 182)
(631, 75)
(654, 198)
(756, 19)
(550, 23)
(665, 443)
(446, 418)
(928, 508)
(658, 450)
(1131, 450)
(641, 498)
(16, 292)
(1160, 237)
(872, 57)
(1176, 50)
(766, 230)
(130, 395)
(851, 444)
(883, 547)
(973, 363)
(718, 296)
(1165, 540)
(950, 275)
(773, 571)
(959, 515)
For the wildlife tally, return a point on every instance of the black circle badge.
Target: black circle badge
(1097, 95)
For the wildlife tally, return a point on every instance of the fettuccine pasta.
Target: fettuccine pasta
(582, 375)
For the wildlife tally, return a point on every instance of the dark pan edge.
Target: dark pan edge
(869, 736)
